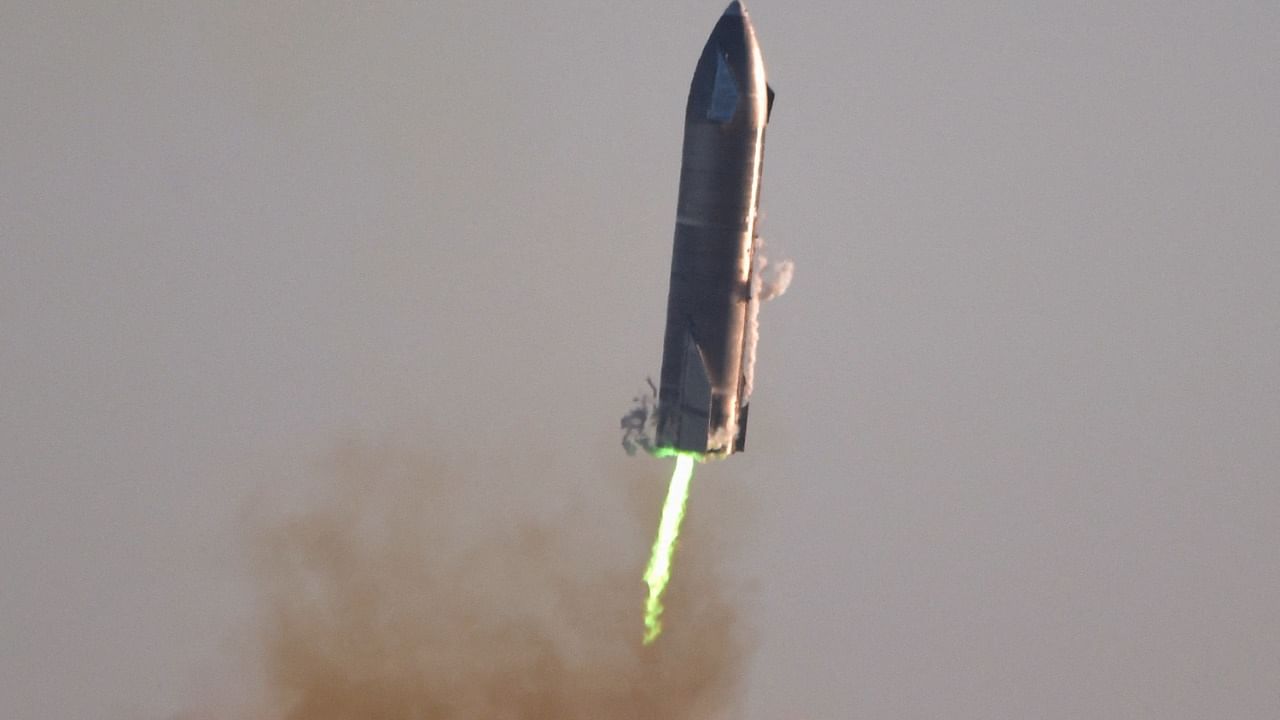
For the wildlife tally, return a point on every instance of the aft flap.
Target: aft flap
(768, 109)
(695, 398)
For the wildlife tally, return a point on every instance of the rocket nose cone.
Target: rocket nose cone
(735, 8)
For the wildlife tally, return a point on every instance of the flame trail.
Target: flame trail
(664, 546)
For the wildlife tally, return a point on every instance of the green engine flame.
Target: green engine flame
(664, 546)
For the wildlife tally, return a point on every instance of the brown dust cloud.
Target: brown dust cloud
(396, 592)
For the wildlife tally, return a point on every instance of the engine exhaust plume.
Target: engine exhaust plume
(658, 573)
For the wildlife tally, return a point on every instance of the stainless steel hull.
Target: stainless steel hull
(701, 403)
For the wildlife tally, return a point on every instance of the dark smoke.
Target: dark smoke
(639, 425)
(402, 596)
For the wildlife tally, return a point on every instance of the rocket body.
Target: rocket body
(701, 403)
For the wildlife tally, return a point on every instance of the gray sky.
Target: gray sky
(1014, 444)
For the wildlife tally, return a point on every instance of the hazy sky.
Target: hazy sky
(1015, 442)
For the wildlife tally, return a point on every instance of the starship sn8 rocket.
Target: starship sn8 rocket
(711, 306)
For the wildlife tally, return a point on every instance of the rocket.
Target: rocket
(709, 342)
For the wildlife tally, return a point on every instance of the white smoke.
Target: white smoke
(762, 289)
(771, 288)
